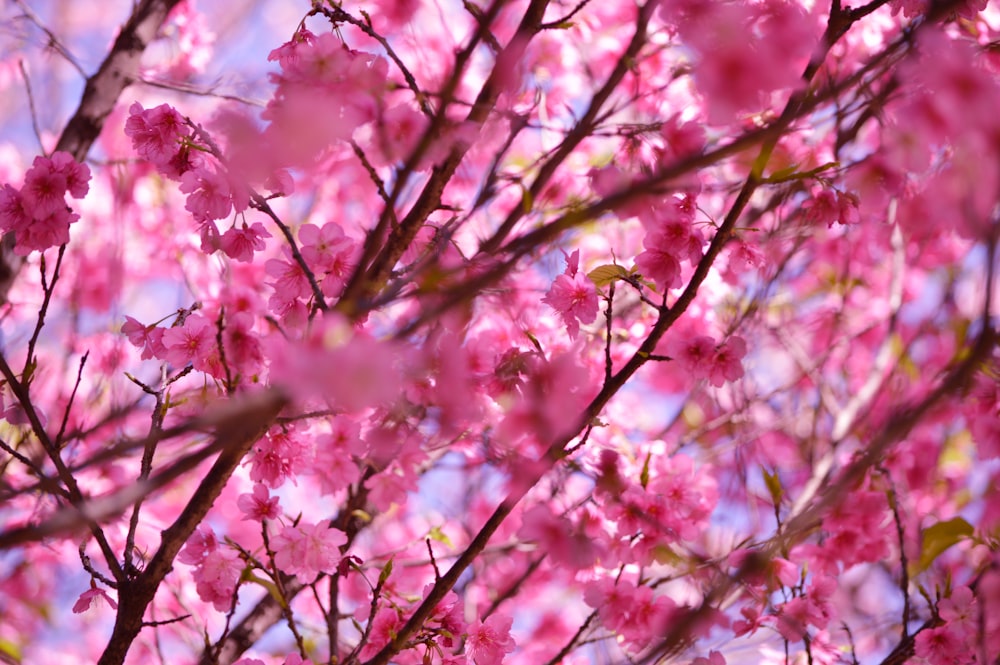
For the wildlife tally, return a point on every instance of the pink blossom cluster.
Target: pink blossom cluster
(194, 340)
(325, 91)
(162, 137)
(700, 357)
(217, 568)
(671, 237)
(574, 296)
(37, 213)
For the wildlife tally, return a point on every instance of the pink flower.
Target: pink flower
(279, 456)
(14, 216)
(199, 545)
(488, 642)
(941, 646)
(574, 296)
(727, 365)
(209, 194)
(239, 244)
(44, 189)
(156, 133)
(216, 578)
(193, 342)
(77, 175)
(385, 623)
(693, 355)
(87, 598)
(308, 549)
(147, 338)
(258, 506)
(713, 658)
(45, 232)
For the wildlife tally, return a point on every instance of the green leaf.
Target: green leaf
(606, 274)
(644, 476)
(773, 483)
(783, 174)
(534, 342)
(527, 200)
(10, 650)
(440, 536)
(936, 538)
(386, 572)
(272, 588)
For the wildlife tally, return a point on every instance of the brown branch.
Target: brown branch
(236, 432)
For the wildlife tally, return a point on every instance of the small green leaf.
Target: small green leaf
(644, 475)
(534, 341)
(527, 200)
(939, 537)
(440, 536)
(606, 274)
(773, 483)
(386, 572)
(10, 650)
(783, 174)
(271, 587)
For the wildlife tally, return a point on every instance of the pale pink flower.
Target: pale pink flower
(216, 578)
(727, 365)
(199, 545)
(307, 550)
(490, 641)
(209, 194)
(259, 505)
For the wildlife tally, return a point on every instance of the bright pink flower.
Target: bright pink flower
(279, 456)
(941, 646)
(490, 641)
(147, 338)
(87, 598)
(199, 545)
(259, 505)
(575, 298)
(307, 550)
(14, 216)
(44, 189)
(77, 175)
(156, 133)
(240, 243)
(194, 342)
(727, 365)
(385, 623)
(42, 233)
(693, 355)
